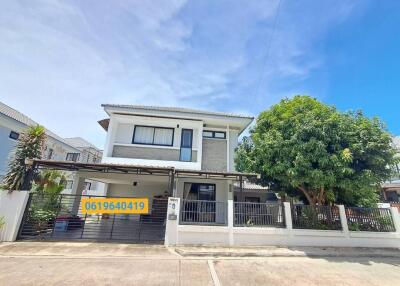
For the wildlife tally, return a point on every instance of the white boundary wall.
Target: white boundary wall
(255, 236)
(12, 208)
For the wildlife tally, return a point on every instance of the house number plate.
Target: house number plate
(115, 205)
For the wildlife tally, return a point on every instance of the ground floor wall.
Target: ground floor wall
(229, 235)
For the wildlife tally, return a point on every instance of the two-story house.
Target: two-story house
(185, 139)
(155, 153)
(12, 123)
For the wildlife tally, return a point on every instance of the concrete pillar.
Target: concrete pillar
(396, 218)
(343, 220)
(288, 215)
(77, 188)
(230, 222)
(171, 229)
(12, 209)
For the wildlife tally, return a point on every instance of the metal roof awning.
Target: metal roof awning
(99, 167)
(135, 169)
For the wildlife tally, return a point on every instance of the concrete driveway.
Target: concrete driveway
(57, 263)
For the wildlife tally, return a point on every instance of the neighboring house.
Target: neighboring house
(391, 189)
(88, 153)
(12, 123)
(253, 193)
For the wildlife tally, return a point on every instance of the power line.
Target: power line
(268, 49)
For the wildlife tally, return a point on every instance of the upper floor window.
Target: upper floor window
(214, 134)
(14, 135)
(161, 136)
(72, 157)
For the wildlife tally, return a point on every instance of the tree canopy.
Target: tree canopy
(327, 156)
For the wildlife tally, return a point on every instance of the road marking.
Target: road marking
(214, 275)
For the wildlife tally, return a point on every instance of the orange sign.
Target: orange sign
(115, 205)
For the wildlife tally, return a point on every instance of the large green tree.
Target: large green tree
(30, 146)
(302, 144)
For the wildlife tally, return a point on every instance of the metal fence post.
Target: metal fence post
(343, 219)
(230, 222)
(396, 218)
(288, 215)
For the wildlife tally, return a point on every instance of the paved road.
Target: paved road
(114, 264)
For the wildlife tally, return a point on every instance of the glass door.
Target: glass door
(186, 145)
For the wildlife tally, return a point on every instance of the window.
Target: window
(72, 157)
(14, 135)
(50, 154)
(88, 185)
(68, 184)
(186, 145)
(214, 134)
(161, 136)
(197, 191)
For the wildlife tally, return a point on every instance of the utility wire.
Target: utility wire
(268, 49)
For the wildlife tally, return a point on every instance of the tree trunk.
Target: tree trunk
(311, 197)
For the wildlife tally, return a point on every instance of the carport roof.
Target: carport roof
(133, 169)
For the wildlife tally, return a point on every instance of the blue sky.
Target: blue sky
(59, 60)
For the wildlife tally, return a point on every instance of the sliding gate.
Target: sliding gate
(60, 217)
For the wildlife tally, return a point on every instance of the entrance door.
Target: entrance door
(186, 145)
(199, 204)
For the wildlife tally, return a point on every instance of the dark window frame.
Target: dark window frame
(77, 157)
(67, 182)
(154, 130)
(88, 186)
(198, 189)
(13, 135)
(213, 134)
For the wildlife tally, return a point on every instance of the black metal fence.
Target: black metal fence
(316, 217)
(59, 217)
(200, 212)
(370, 219)
(258, 215)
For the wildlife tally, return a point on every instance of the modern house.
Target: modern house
(192, 141)
(156, 153)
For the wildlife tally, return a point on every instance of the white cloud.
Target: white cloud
(59, 60)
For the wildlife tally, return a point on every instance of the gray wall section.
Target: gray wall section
(150, 153)
(214, 155)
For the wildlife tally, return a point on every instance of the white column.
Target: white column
(200, 146)
(230, 222)
(343, 220)
(77, 188)
(396, 219)
(288, 215)
(171, 229)
(228, 146)
(112, 130)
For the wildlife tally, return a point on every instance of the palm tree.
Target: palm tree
(30, 146)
